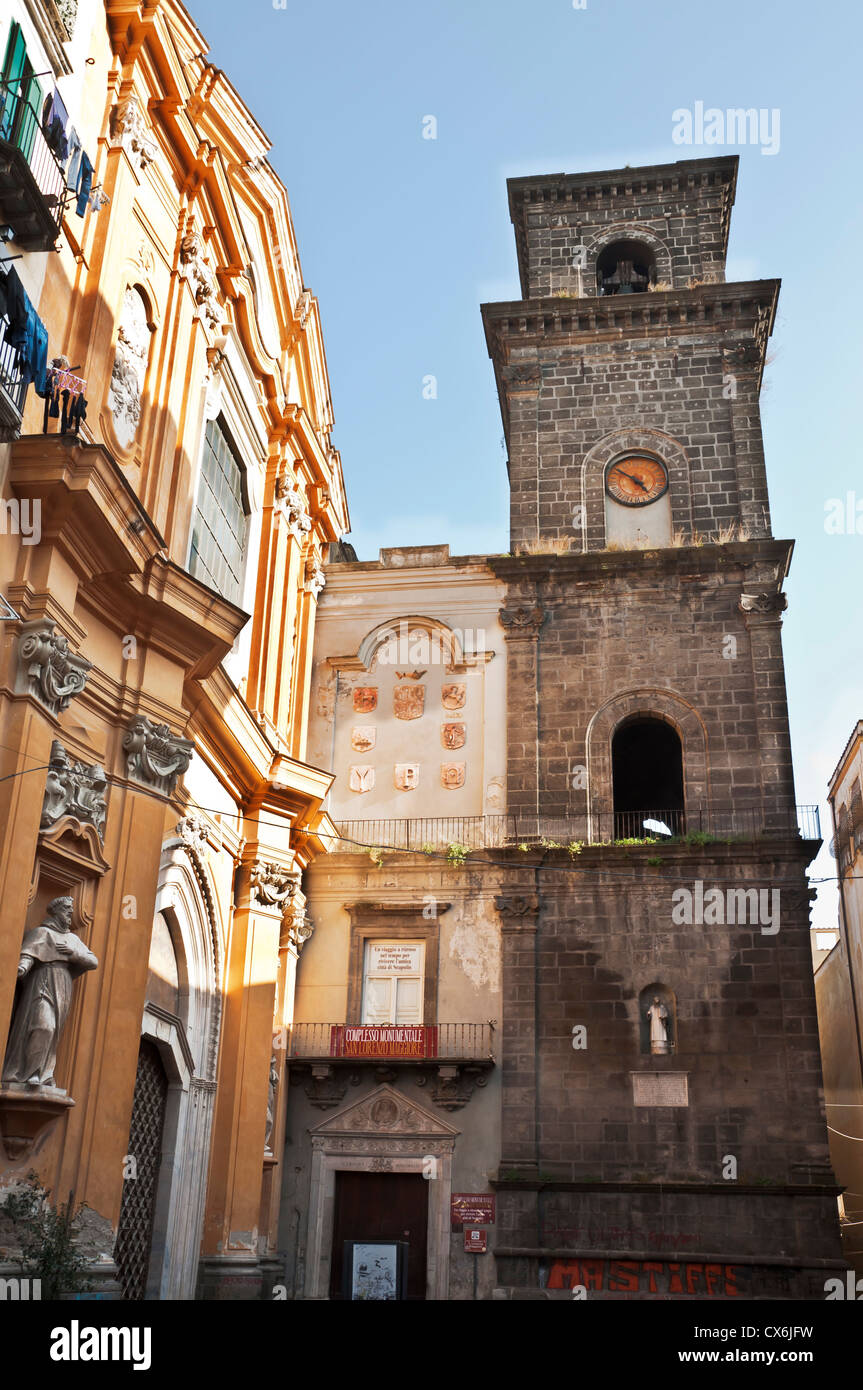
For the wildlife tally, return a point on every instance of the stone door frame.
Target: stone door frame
(343, 1145)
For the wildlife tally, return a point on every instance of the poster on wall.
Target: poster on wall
(375, 1271)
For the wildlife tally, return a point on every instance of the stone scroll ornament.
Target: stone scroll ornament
(52, 957)
(763, 603)
(289, 501)
(129, 131)
(73, 789)
(53, 674)
(154, 755)
(315, 579)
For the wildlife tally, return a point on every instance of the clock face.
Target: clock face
(636, 480)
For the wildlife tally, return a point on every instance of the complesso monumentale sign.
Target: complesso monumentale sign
(382, 1041)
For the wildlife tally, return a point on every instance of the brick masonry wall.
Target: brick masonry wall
(682, 212)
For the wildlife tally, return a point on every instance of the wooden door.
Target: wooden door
(382, 1206)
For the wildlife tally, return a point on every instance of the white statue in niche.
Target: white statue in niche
(130, 367)
(657, 1016)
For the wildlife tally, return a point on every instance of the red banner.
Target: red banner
(384, 1040)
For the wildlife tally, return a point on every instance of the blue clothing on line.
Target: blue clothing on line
(85, 183)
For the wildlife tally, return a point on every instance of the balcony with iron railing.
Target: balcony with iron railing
(352, 1043)
(32, 183)
(442, 834)
(13, 385)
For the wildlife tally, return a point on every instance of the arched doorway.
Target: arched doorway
(647, 777)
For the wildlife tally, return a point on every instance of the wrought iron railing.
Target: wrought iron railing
(440, 1042)
(434, 835)
(21, 129)
(13, 387)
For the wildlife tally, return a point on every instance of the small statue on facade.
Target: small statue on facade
(52, 957)
(658, 1017)
(272, 1088)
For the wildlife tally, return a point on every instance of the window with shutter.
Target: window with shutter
(393, 982)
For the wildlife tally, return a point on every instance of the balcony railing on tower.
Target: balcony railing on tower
(454, 834)
(32, 183)
(13, 387)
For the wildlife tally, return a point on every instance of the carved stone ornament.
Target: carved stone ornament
(452, 775)
(365, 699)
(51, 959)
(453, 735)
(132, 353)
(194, 262)
(289, 504)
(67, 14)
(272, 885)
(409, 701)
(407, 776)
(763, 603)
(48, 669)
(361, 779)
(302, 307)
(315, 579)
(521, 622)
(154, 755)
(301, 928)
(193, 831)
(74, 789)
(129, 132)
(453, 696)
(363, 737)
(518, 906)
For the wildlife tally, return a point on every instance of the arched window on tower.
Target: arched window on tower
(647, 776)
(625, 267)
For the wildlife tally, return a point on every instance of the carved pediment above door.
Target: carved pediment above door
(385, 1112)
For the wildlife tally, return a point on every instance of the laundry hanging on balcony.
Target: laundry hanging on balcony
(27, 333)
(64, 397)
(55, 119)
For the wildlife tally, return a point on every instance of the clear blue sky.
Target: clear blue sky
(403, 238)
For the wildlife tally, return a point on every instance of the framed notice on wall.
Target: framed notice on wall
(375, 1271)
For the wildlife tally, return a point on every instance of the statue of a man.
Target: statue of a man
(272, 1088)
(658, 1016)
(52, 957)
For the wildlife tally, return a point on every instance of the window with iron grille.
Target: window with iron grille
(220, 523)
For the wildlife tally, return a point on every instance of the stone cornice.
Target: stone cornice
(600, 565)
(747, 306)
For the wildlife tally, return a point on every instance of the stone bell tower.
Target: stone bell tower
(662, 1123)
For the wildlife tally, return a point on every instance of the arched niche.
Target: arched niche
(135, 328)
(645, 703)
(627, 243)
(657, 1020)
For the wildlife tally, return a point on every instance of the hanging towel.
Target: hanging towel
(84, 184)
(27, 333)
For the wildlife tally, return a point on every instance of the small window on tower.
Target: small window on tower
(625, 267)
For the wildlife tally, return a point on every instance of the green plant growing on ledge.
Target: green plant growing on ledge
(47, 1236)
(524, 848)
(457, 854)
(574, 848)
(377, 857)
(550, 844)
(654, 860)
(428, 847)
